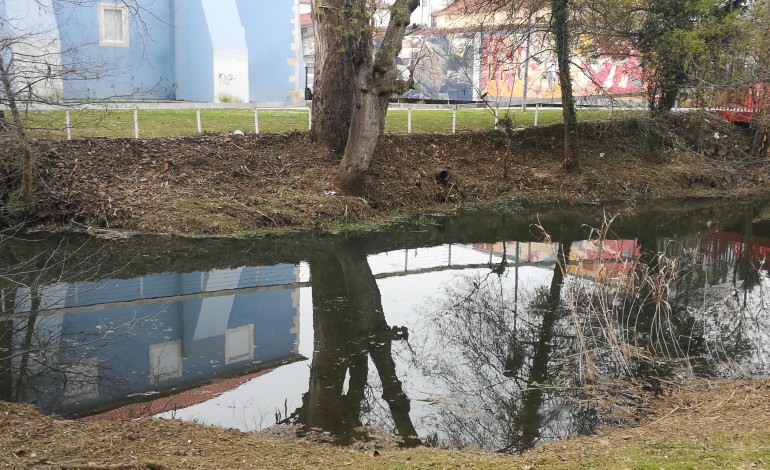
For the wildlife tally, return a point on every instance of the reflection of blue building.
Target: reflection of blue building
(194, 50)
(97, 343)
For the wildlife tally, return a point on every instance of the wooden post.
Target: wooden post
(136, 123)
(454, 120)
(497, 117)
(69, 128)
(537, 111)
(309, 118)
(409, 121)
(198, 119)
(256, 120)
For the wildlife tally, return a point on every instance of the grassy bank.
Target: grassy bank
(239, 185)
(701, 425)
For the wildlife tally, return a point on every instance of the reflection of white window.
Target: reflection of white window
(113, 25)
(165, 360)
(81, 382)
(239, 344)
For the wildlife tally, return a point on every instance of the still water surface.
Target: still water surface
(473, 331)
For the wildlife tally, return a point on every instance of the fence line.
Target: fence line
(176, 121)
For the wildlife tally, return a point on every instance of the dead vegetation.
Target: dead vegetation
(702, 424)
(226, 184)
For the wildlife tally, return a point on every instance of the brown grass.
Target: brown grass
(698, 425)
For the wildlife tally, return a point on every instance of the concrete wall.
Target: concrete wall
(211, 52)
(275, 49)
(33, 33)
(142, 70)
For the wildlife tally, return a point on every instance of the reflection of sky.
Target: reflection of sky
(410, 300)
(405, 301)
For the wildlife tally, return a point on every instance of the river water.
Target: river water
(473, 331)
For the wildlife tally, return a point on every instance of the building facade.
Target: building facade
(192, 50)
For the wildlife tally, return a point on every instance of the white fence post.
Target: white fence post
(69, 128)
(310, 118)
(454, 120)
(198, 119)
(537, 111)
(256, 121)
(497, 118)
(136, 123)
(409, 121)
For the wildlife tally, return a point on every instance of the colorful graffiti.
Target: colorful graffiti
(471, 65)
(507, 72)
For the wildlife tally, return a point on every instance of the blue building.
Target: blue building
(192, 50)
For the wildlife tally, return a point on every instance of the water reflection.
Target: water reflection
(82, 346)
(350, 329)
(472, 332)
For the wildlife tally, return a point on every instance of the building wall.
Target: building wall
(34, 24)
(211, 53)
(142, 70)
(194, 53)
(276, 71)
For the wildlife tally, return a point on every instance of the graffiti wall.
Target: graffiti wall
(506, 70)
(471, 65)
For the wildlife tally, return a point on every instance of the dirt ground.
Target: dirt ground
(699, 425)
(235, 185)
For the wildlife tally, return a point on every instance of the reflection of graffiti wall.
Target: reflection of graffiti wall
(600, 260)
(467, 65)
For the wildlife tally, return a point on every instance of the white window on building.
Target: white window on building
(113, 25)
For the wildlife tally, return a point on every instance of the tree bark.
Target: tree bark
(560, 28)
(760, 145)
(333, 86)
(374, 81)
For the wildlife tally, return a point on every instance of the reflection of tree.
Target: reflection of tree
(503, 379)
(349, 327)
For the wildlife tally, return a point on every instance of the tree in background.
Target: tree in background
(375, 79)
(759, 77)
(561, 33)
(680, 42)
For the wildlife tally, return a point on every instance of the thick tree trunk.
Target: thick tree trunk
(374, 81)
(332, 90)
(365, 130)
(560, 27)
(760, 145)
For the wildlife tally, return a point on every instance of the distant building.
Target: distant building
(193, 50)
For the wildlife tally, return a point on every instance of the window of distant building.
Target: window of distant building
(113, 25)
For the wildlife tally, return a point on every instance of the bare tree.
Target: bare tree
(375, 79)
(34, 64)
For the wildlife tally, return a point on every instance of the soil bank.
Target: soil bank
(219, 185)
(701, 425)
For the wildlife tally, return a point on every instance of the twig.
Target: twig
(260, 213)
